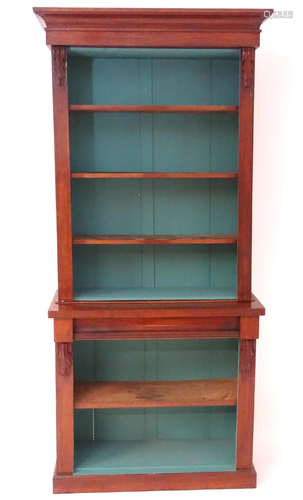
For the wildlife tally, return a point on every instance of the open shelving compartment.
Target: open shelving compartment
(154, 167)
(173, 409)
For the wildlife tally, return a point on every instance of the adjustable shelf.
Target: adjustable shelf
(153, 240)
(220, 392)
(153, 175)
(152, 109)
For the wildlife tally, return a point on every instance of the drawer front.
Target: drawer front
(90, 329)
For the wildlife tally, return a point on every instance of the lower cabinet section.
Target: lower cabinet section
(155, 414)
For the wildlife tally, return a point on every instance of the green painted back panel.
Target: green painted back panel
(122, 142)
(154, 456)
(130, 142)
(170, 80)
(156, 360)
(144, 142)
(151, 53)
(160, 206)
(106, 206)
(175, 266)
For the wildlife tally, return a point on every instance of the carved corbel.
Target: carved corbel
(59, 57)
(64, 355)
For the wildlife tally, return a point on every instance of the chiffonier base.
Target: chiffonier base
(222, 396)
(245, 478)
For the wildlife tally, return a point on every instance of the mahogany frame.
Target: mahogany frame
(187, 28)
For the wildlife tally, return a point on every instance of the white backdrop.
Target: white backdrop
(28, 255)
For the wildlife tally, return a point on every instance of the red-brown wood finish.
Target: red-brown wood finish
(249, 327)
(246, 125)
(159, 328)
(245, 416)
(63, 330)
(155, 309)
(152, 175)
(153, 482)
(62, 169)
(93, 108)
(152, 27)
(73, 321)
(65, 408)
(214, 392)
(139, 239)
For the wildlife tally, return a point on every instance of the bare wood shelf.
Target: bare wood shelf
(93, 108)
(152, 240)
(154, 175)
(218, 392)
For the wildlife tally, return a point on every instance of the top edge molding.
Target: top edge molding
(131, 11)
(152, 27)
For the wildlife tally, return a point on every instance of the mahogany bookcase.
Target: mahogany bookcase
(155, 322)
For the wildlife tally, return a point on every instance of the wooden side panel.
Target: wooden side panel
(61, 133)
(246, 123)
(246, 388)
(65, 408)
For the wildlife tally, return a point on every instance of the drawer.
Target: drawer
(117, 328)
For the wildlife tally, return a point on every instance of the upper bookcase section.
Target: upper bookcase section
(153, 27)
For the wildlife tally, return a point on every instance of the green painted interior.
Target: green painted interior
(154, 206)
(135, 440)
(167, 80)
(151, 142)
(112, 441)
(165, 293)
(152, 53)
(162, 206)
(178, 359)
(159, 272)
(154, 456)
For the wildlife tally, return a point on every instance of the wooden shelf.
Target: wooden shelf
(153, 240)
(154, 293)
(154, 175)
(93, 108)
(218, 392)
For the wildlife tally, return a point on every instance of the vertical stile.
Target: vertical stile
(62, 169)
(245, 414)
(65, 407)
(246, 111)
